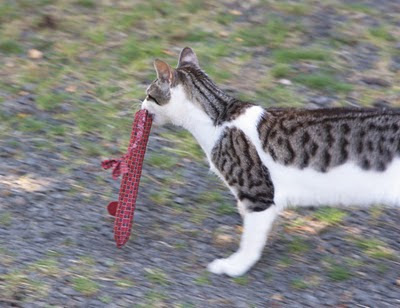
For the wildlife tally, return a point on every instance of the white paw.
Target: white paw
(229, 266)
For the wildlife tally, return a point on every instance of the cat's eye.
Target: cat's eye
(151, 98)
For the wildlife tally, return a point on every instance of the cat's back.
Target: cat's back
(325, 138)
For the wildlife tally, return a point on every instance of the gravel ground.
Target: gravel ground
(56, 242)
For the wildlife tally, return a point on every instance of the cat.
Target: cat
(274, 158)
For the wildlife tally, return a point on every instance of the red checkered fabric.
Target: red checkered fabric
(130, 166)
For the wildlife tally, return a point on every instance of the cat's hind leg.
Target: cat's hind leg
(255, 232)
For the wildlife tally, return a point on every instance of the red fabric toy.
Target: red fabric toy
(130, 166)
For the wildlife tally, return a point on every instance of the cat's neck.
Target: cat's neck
(214, 101)
(194, 119)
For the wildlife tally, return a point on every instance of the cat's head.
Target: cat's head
(168, 98)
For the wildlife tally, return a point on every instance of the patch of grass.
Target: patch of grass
(298, 54)
(203, 279)
(354, 262)
(357, 7)
(48, 267)
(133, 49)
(86, 3)
(285, 262)
(225, 18)
(242, 280)
(375, 248)
(92, 149)
(85, 286)
(106, 299)
(10, 47)
(7, 12)
(124, 283)
(338, 272)
(330, 216)
(87, 120)
(209, 197)
(294, 8)
(87, 260)
(57, 130)
(50, 101)
(162, 161)
(299, 283)
(5, 219)
(157, 276)
(185, 145)
(161, 197)
(271, 34)
(19, 284)
(382, 33)
(281, 70)
(193, 6)
(298, 246)
(97, 36)
(225, 208)
(153, 299)
(323, 81)
(279, 94)
(32, 125)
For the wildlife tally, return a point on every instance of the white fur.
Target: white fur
(181, 112)
(344, 185)
(255, 230)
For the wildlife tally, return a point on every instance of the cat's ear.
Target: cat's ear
(164, 71)
(188, 56)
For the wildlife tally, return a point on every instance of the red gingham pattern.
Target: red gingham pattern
(130, 166)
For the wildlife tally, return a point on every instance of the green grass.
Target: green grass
(86, 3)
(203, 279)
(10, 47)
(272, 33)
(48, 267)
(50, 101)
(375, 248)
(134, 50)
(279, 95)
(298, 54)
(85, 286)
(323, 82)
(5, 219)
(382, 33)
(163, 161)
(294, 8)
(184, 145)
(281, 70)
(32, 125)
(19, 284)
(358, 7)
(124, 283)
(157, 277)
(298, 246)
(339, 273)
(330, 216)
(162, 196)
(225, 208)
(285, 262)
(299, 283)
(242, 280)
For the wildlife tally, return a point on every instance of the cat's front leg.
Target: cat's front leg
(255, 232)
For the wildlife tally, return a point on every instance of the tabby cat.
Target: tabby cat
(274, 158)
